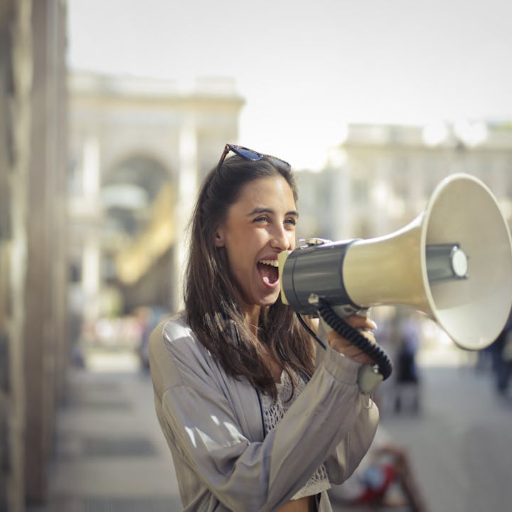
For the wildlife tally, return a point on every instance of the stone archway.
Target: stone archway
(128, 190)
(137, 196)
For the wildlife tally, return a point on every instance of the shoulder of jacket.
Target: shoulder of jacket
(174, 335)
(175, 327)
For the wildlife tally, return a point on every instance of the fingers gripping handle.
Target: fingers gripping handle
(370, 376)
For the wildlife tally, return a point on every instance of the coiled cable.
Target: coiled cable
(351, 334)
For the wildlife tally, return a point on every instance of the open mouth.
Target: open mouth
(269, 271)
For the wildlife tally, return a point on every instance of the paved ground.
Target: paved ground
(111, 455)
(461, 442)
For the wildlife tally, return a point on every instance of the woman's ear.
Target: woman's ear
(219, 238)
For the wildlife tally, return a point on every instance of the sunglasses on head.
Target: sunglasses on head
(248, 154)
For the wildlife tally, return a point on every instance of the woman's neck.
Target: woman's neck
(252, 318)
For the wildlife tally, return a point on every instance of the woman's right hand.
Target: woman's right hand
(366, 326)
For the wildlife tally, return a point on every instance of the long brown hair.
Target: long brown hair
(211, 307)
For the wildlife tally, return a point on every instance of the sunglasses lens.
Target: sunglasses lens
(248, 153)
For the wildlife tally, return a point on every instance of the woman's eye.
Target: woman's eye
(291, 221)
(262, 218)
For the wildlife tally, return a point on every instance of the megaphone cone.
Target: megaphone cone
(453, 263)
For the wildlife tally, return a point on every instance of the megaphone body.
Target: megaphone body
(453, 263)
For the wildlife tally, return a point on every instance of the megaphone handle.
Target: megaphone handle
(338, 323)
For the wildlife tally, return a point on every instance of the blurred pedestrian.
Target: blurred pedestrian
(501, 353)
(148, 318)
(384, 480)
(407, 376)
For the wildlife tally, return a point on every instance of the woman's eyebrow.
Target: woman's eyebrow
(261, 209)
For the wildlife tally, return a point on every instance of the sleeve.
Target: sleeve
(261, 476)
(347, 455)
(350, 451)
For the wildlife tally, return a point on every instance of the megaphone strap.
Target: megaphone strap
(311, 332)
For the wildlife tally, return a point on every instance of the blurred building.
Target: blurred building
(139, 149)
(381, 176)
(33, 270)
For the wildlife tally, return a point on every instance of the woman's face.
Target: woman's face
(259, 226)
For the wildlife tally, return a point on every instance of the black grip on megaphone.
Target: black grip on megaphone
(372, 350)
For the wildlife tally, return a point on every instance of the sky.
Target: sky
(307, 68)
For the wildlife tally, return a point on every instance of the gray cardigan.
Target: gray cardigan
(213, 425)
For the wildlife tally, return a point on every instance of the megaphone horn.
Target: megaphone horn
(453, 263)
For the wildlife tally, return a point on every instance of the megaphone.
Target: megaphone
(453, 263)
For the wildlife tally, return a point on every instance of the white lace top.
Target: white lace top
(272, 414)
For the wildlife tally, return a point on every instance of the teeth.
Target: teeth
(272, 263)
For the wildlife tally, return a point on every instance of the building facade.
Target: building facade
(138, 149)
(382, 176)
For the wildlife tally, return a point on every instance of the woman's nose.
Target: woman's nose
(281, 239)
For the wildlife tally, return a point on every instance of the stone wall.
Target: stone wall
(33, 278)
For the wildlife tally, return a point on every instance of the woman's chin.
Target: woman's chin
(270, 297)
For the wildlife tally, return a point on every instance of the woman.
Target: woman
(256, 417)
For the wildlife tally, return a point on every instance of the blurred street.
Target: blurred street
(460, 442)
(111, 455)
